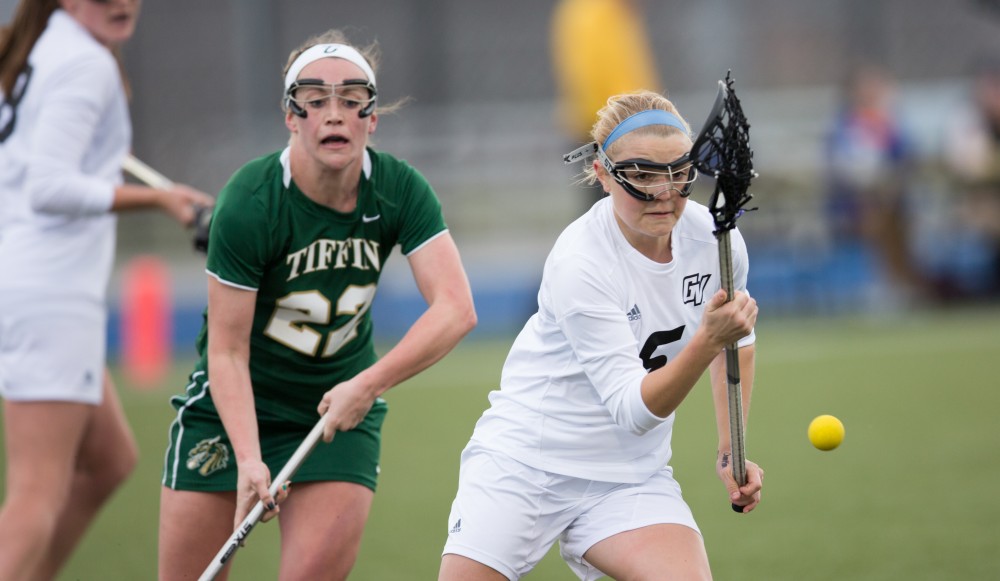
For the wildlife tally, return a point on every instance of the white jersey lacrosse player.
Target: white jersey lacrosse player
(59, 167)
(576, 443)
(64, 130)
(570, 405)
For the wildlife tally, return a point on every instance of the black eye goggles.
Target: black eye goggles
(643, 179)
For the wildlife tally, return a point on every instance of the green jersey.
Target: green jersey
(315, 271)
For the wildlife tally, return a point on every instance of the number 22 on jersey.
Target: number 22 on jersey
(292, 313)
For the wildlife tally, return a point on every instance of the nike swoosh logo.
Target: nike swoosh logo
(367, 219)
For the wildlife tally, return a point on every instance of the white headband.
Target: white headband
(322, 51)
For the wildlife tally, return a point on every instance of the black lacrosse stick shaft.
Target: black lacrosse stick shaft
(733, 385)
(722, 151)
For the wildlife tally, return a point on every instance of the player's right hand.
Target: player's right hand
(182, 203)
(727, 322)
(252, 484)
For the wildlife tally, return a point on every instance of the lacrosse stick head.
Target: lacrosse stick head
(722, 151)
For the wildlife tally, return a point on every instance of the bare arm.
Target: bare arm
(720, 392)
(179, 201)
(230, 319)
(450, 315)
(664, 389)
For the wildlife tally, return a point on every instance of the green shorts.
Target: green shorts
(200, 457)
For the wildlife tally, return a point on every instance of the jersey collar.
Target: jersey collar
(286, 166)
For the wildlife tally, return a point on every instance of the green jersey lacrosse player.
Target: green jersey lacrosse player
(297, 245)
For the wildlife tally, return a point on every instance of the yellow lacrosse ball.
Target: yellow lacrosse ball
(826, 432)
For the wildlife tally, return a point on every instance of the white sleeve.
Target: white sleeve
(72, 105)
(741, 268)
(595, 326)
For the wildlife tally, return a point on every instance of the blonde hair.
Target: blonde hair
(621, 107)
(372, 54)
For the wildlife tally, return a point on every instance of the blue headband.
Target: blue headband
(642, 119)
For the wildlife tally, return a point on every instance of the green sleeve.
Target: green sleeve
(424, 218)
(240, 235)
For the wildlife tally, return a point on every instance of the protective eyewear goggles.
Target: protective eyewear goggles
(648, 180)
(643, 179)
(307, 95)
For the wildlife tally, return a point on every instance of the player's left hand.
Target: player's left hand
(748, 495)
(345, 406)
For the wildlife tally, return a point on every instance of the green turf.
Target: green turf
(907, 496)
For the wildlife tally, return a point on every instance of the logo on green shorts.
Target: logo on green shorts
(210, 455)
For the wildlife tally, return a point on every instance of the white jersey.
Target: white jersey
(59, 169)
(569, 399)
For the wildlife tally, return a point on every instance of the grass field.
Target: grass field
(907, 496)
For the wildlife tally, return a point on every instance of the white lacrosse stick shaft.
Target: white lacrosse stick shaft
(242, 531)
(146, 174)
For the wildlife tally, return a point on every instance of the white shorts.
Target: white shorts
(506, 515)
(56, 355)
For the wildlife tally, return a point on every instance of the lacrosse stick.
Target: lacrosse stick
(722, 151)
(238, 537)
(154, 179)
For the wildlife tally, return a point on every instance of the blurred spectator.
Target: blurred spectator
(869, 158)
(600, 48)
(973, 156)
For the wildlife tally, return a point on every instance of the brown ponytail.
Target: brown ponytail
(18, 38)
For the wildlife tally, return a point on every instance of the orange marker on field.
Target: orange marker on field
(146, 321)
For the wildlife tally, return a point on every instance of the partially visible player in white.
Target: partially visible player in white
(576, 443)
(64, 130)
